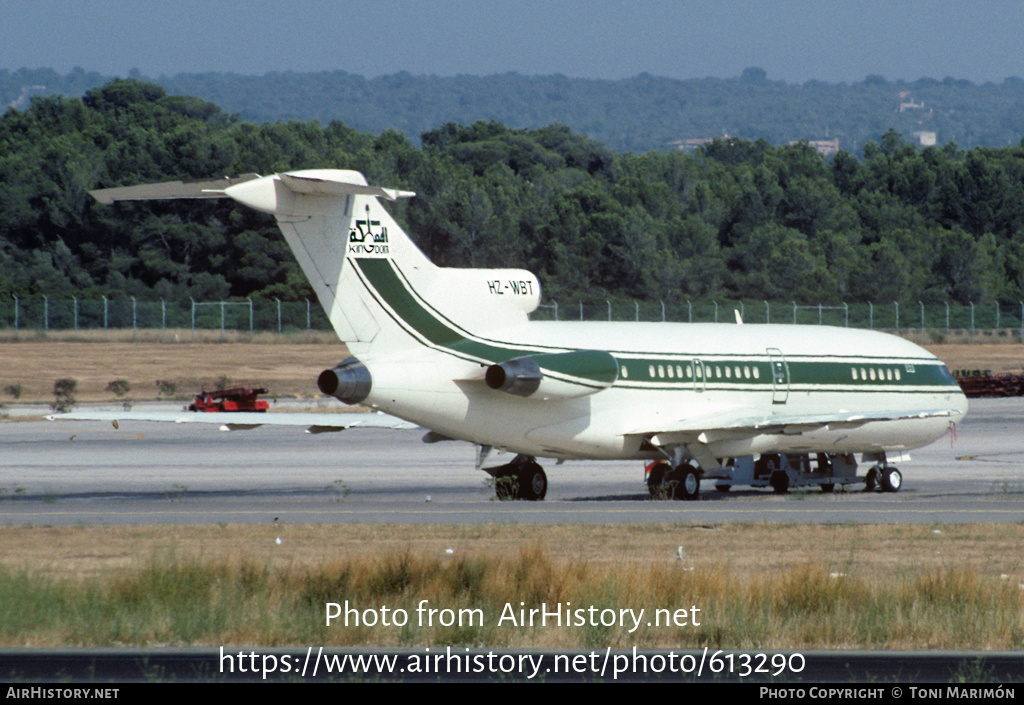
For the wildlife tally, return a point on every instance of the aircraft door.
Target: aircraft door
(699, 375)
(780, 376)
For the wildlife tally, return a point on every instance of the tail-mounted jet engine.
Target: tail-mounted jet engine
(554, 375)
(350, 381)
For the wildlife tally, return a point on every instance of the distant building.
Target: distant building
(925, 139)
(692, 144)
(825, 148)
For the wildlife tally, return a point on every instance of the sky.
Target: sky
(793, 40)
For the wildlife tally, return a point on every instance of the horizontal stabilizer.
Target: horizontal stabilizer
(331, 182)
(315, 422)
(171, 190)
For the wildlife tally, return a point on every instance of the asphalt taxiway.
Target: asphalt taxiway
(89, 473)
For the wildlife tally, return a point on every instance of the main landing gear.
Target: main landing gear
(884, 477)
(523, 478)
(667, 482)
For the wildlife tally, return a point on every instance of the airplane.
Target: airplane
(454, 351)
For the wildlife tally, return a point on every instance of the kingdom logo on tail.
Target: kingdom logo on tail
(453, 350)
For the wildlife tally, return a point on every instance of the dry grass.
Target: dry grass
(286, 369)
(757, 586)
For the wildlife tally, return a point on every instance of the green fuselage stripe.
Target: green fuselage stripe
(427, 324)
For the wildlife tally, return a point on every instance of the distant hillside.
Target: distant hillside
(631, 115)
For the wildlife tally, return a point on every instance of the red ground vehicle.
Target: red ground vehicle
(234, 399)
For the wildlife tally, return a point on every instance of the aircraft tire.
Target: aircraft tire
(779, 482)
(658, 481)
(532, 482)
(871, 480)
(688, 486)
(892, 480)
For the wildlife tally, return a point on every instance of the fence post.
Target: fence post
(662, 311)
(794, 313)
(947, 321)
(871, 315)
(689, 311)
(819, 313)
(278, 315)
(135, 319)
(846, 314)
(309, 319)
(193, 318)
(556, 309)
(106, 333)
(609, 309)
(767, 313)
(46, 315)
(716, 310)
(997, 318)
(972, 321)
(75, 300)
(637, 307)
(922, 319)
(163, 320)
(16, 302)
(897, 305)
(251, 333)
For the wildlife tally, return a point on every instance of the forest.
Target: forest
(740, 219)
(637, 114)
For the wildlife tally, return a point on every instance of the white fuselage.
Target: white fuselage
(676, 379)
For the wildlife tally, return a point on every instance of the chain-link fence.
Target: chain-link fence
(247, 317)
(46, 315)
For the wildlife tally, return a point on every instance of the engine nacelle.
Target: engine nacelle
(555, 375)
(349, 382)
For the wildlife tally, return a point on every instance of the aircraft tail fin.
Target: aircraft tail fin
(375, 285)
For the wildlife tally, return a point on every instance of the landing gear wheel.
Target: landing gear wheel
(871, 480)
(659, 480)
(779, 482)
(827, 487)
(526, 481)
(892, 480)
(667, 482)
(532, 482)
(688, 487)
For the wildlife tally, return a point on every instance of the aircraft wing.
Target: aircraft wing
(237, 421)
(736, 423)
